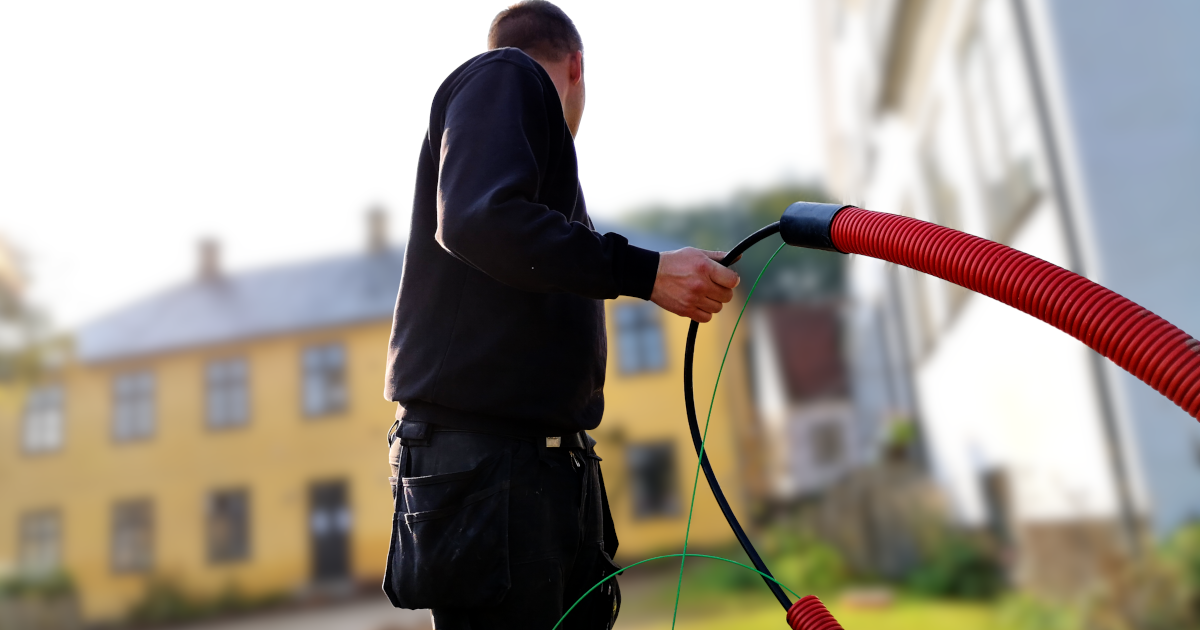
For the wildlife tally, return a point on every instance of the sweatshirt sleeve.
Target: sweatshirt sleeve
(494, 153)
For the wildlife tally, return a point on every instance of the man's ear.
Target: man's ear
(575, 67)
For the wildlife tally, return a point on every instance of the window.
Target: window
(1000, 123)
(41, 542)
(936, 163)
(943, 195)
(652, 471)
(133, 416)
(228, 526)
(227, 393)
(640, 338)
(133, 536)
(324, 379)
(42, 429)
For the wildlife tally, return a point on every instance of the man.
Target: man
(498, 345)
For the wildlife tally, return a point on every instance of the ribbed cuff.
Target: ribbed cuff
(636, 271)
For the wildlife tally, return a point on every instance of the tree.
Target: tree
(796, 275)
(23, 329)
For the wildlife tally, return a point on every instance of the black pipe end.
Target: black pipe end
(807, 224)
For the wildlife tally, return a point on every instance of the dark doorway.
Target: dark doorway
(996, 501)
(329, 527)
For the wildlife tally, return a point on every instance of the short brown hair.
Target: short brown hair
(536, 27)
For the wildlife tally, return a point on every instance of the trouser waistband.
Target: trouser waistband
(415, 433)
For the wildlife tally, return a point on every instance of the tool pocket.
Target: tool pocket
(449, 543)
(599, 609)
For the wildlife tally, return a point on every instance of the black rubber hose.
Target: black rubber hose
(694, 425)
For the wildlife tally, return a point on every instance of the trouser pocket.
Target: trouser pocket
(450, 538)
(599, 609)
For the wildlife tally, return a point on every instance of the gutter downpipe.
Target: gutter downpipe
(1112, 432)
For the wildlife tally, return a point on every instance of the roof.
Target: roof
(331, 292)
(316, 294)
(808, 338)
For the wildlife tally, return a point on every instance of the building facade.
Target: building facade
(810, 437)
(230, 433)
(1064, 128)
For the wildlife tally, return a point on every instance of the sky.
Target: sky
(129, 130)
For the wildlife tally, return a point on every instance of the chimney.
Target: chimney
(377, 241)
(210, 260)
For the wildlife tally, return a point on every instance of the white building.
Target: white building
(809, 436)
(1069, 129)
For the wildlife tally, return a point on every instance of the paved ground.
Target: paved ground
(360, 614)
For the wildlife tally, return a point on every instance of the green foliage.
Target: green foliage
(707, 576)
(958, 568)
(797, 274)
(1023, 612)
(901, 433)
(165, 602)
(802, 563)
(812, 566)
(1157, 591)
(55, 585)
(805, 562)
(1182, 552)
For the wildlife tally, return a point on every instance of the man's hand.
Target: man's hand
(690, 283)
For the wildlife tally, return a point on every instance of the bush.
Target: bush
(802, 563)
(1146, 594)
(810, 566)
(1181, 552)
(714, 576)
(165, 602)
(56, 585)
(1158, 591)
(958, 568)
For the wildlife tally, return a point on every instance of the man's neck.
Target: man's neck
(560, 74)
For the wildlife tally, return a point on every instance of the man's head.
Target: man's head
(545, 33)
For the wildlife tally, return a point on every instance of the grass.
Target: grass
(904, 614)
(716, 595)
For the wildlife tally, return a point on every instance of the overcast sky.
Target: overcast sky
(128, 130)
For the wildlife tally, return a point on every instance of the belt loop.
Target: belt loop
(414, 433)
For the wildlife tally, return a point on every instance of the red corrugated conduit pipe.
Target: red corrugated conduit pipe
(1144, 344)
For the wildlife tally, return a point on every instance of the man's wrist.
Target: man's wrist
(636, 272)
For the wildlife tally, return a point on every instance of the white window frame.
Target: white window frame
(133, 406)
(641, 340)
(228, 507)
(227, 393)
(43, 424)
(324, 383)
(40, 550)
(132, 543)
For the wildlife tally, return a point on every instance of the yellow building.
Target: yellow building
(230, 432)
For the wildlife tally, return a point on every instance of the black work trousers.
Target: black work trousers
(500, 532)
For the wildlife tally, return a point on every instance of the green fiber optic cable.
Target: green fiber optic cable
(704, 437)
(664, 557)
(692, 505)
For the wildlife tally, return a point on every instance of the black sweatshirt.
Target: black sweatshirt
(499, 322)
